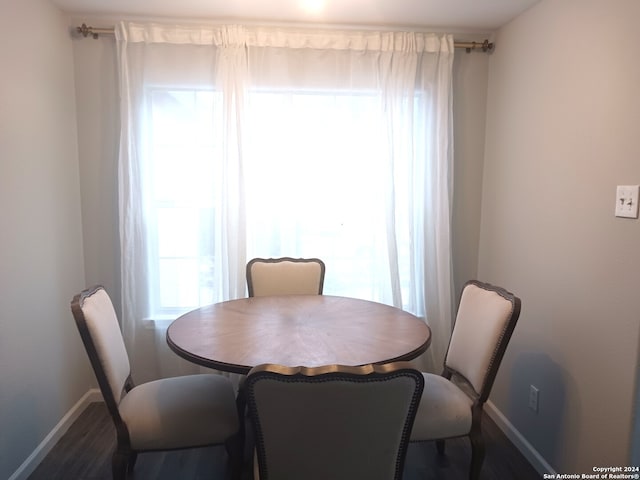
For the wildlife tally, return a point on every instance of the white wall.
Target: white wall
(562, 131)
(470, 76)
(98, 131)
(43, 368)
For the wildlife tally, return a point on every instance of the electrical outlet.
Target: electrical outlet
(627, 201)
(533, 398)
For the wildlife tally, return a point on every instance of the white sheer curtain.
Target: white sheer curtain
(251, 141)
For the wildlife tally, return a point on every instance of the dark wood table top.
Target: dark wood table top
(296, 330)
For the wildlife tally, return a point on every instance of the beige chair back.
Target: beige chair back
(332, 422)
(285, 276)
(486, 318)
(100, 332)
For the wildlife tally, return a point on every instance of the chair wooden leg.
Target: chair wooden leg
(440, 447)
(131, 462)
(477, 455)
(119, 463)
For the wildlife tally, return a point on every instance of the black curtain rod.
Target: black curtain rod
(94, 32)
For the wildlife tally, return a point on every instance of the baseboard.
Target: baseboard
(531, 454)
(33, 460)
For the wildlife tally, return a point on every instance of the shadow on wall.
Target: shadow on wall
(545, 428)
(20, 414)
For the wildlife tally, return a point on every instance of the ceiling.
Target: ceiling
(454, 15)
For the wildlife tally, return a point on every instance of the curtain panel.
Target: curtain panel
(240, 141)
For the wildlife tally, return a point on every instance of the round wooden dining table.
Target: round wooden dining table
(297, 330)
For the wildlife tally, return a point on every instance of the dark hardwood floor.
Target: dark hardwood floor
(84, 453)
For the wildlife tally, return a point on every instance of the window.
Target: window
(315, 184)
(182, 212)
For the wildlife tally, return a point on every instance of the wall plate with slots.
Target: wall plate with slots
(627, 201)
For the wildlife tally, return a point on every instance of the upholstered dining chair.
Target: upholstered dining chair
(285, 276)
(167, 414)
(452, 403)
(334, 422)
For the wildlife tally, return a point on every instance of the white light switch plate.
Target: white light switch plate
(627, 201)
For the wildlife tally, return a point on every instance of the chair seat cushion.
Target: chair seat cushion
(178, 412)
(444, 410)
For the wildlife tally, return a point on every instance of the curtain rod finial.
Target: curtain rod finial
(86, 31)
(486, 46)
